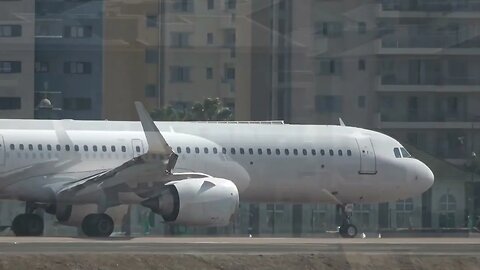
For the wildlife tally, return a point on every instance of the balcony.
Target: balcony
(441, 84)
(429, 44)
(431, 9)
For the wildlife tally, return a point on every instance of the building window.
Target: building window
(210, 4)
(78, 31)
(77, 68)
(77, 104)
(318, 219)
(230, 4)
(328, 104)
(150, 90)
(41, 67)
(179, 74)
(361, 64)
(183, 5)
(10, 30)
(275, 215)
(229, 74)
(362, 101)
(152, 21)
(151, 56)
(404, 209)
(230, 38)
(10, 66)
(209, 74)
(10, 103)
(330, 66)
(180, 39)
(362, 28)
(361, 215)
(448, 206)
(329, 29)
(209, 38)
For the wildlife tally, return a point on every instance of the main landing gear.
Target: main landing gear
(97, 225)
(347, 229)
(28, 224)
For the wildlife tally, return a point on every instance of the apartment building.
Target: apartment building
(17, 45)
(68, 57)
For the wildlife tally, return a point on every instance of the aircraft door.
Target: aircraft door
(137, 147)
(2, 151)
(368, 162)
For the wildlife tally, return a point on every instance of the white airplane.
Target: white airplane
(194, 173)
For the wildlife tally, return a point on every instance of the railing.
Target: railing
(430, 5)
(438, 79)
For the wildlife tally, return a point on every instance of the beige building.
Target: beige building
(17, 45)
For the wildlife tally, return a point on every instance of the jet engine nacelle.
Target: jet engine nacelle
(196, 202)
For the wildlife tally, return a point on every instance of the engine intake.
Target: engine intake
(199, 202)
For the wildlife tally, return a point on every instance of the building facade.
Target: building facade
(17, 47)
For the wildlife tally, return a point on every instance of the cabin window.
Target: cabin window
(396, 151)
(304, 152)
(58, 147)
(113, 148)
(260, 151)
(322, 152)
(287, 152)
(85, 148)
(67, 147)
(277, 151)
(21, 147)
(340, 152)
(124, 148)
(269, 151)
(95, 148)
(205, 150)
(197, 150)
(30, 147)
(314, 152)
(295, 152)
(12, 146)
(224, 150)
(137, 149)
(242, 151)
(104, 148)
(349, 153)
(49, 147)
(250, 151)
(188, 150)
(179, 150)
(232, 151)
(331, 152)
(76, 148)
(39, 147)
(215, 150)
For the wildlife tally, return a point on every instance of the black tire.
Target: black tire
(348, 231)
(97, 225)
(28, 225)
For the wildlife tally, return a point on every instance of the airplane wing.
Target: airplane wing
(155, 166)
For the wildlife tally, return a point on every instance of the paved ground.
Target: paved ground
(268, 246)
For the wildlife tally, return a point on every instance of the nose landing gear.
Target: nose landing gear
(347, 229)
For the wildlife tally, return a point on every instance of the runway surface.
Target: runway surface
(158, 245)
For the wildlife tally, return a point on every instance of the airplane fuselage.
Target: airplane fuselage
(267, 162)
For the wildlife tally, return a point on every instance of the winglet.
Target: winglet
(341, 122)
(155, 140)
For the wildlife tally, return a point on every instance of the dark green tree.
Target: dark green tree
(210, 109)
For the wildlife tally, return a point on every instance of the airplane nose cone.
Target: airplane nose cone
(424, 176)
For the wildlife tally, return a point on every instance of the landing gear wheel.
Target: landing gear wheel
(97, 225)
(348, 231)
(27, 225)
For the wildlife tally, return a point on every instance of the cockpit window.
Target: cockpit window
(396, 151)
(405, 153)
